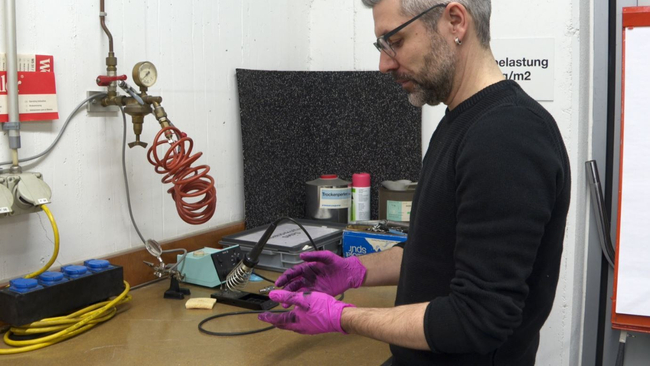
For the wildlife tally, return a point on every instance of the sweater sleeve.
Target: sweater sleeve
(506, 181)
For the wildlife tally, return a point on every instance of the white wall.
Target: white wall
(197, 45)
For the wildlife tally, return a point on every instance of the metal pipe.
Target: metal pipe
(602, 221)
(111, 60)
(13, 124)
(102, 20)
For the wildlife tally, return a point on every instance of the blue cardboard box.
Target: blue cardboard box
(360, 242)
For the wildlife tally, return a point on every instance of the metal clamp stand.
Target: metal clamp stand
(162, 269)
(175, 291)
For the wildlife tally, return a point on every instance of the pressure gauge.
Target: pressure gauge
(145, 74)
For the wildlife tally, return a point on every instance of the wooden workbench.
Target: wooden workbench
(151, 330)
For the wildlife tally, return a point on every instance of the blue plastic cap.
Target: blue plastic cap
(75, 270)
(255, 278)
(97, 263)
(24, 283)
(51, 276)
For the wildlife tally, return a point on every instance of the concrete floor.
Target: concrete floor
(151, 330)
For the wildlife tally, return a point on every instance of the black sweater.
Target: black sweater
(486, 231)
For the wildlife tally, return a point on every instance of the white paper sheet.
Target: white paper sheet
(633, 284)
(289, 234)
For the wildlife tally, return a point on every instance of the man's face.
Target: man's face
(424, 64)
(430, 83)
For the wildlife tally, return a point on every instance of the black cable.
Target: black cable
(252, 258)
(262, 277)
(234, 334)
(302, 227)
(620, 355)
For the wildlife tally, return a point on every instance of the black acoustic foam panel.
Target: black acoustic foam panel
(297, 125)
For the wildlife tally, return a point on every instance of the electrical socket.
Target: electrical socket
(95, 107)
(6, 199)
(27, 192)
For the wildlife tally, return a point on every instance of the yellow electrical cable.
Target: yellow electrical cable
(56, 244)
(65, 326)
(81, 321)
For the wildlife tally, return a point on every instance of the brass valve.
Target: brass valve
(138, 121)
(138, 105)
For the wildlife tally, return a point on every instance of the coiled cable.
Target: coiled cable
(61, 328)
(128, 199)
(193, 188)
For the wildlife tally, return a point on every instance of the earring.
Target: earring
(458, 41)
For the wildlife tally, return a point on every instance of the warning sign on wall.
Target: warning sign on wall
(530, 62)
(36, 88)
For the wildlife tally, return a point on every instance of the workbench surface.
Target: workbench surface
(151, 330)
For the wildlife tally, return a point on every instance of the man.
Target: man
(477, 277)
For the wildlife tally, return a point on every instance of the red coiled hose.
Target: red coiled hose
(189, 183)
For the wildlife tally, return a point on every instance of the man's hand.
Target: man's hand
(314, 312)
(323, 271)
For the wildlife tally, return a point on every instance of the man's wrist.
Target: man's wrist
(360, 271)
(347, 316)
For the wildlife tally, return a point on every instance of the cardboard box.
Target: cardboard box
(358, 241)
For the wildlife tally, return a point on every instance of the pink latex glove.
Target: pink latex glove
(314, 312)
(323, 271)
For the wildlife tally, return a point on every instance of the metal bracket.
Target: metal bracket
(96, 109)
(11, 126)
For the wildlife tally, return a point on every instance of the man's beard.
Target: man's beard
(433, 84)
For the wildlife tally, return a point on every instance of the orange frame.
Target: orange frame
(632, 17)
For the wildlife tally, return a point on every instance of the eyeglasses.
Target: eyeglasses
(383, 44)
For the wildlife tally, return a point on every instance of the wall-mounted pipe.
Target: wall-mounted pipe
(102, 20)
(111, 60)
(13, 125)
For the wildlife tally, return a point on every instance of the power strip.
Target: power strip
(59, 293)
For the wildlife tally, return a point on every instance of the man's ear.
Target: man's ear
(457, 20)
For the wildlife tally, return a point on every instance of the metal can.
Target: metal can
(328, 199)
(395, 200)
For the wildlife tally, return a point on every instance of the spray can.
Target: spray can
(360, 197)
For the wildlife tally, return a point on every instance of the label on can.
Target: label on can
(334, 197)
(360, 204)
(398, 210)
